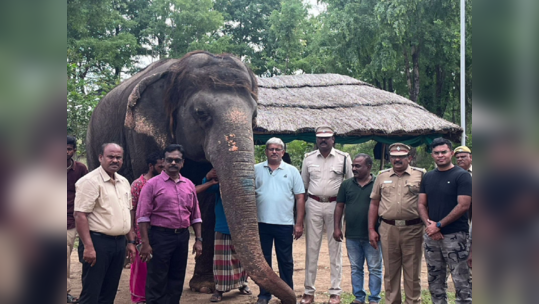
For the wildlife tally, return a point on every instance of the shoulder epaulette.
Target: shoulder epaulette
(384, 171)
(310, 153)
(341, 152)
(419, 169)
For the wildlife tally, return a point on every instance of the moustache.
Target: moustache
(398, 163)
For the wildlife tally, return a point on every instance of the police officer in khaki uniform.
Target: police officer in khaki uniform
(394, 199)
(322, 172)
(463, 155)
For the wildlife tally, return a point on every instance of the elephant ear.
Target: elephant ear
(145, 120)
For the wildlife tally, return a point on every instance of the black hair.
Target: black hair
(103, 146)
(174, 147)
(152, 158)
(71, 140)
(440, 141)
(368, 159)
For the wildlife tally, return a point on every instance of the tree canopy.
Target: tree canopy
(410, 47)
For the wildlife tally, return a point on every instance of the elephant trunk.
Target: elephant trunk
(231, 152)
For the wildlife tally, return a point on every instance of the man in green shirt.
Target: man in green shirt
(354, 193)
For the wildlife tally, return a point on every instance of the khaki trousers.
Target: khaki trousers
(316, 215)
(71, 236)
(402, 249)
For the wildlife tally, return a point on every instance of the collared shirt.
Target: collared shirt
(398, 195)
(470, 170)
(106, 201)
(357, 201)
(76, 171)
(322, 176)
(275, 193)
(166, 203)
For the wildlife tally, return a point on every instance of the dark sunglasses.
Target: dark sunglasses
(176, 160)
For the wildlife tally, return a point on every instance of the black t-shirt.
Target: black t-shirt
(442, 189)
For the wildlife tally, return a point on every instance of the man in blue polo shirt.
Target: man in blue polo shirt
(278, 185)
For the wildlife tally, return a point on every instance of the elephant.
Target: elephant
(208, 104)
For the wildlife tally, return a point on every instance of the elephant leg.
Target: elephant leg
(202, 280)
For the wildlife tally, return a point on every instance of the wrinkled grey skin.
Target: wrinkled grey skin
(213, 123)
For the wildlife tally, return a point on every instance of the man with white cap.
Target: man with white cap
(323, 171)
(394, 199)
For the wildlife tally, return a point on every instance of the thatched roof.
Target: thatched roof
(292, 106)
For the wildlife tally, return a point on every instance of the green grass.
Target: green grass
(425, 297)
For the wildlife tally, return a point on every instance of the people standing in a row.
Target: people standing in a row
(75, 170)
(322, 172)
(444, 200)
(103, 220)
(394, 200)
(277, 186)
(137, 281)
(354, 200)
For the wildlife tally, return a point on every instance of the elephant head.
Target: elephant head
(207, 103)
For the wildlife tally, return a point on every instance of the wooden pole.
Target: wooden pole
(383, 158)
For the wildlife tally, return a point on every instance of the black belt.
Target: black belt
(106, 235)
(403, 222)
(169, 230)
(323, 199)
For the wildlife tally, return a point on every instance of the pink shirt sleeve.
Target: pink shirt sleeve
(195, 215)
(145, 204)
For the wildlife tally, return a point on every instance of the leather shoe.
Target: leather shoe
(335, 299)
(307, 299)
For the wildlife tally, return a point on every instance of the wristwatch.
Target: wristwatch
(439, 224)
(131, 242)
(199, 239)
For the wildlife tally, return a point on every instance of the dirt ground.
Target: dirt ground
(322, 280)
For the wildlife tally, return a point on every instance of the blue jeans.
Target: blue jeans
(358, 252)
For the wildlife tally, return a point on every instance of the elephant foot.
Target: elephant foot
(202, 283)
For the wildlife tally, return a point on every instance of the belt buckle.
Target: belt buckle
(400, 222)
(324, 199)
(177, 230)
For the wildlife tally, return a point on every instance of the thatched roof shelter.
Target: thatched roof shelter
(291, 107)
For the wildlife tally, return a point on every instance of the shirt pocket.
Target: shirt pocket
(412, 187)
(336, 173)
(388, 189)
(315, 173)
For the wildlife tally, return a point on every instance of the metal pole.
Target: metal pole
(463, 70)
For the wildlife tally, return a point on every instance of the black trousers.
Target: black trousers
(283, 237)
(166, 270)
(100, 282)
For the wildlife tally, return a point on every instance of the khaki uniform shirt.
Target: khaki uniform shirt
(470, 170)
(398, 195)
(323, 176)
(106, 201)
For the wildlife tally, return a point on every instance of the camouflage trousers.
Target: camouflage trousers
(451, 252)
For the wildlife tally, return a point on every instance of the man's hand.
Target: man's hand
(146, 252)
(197, 248)
(337, 235)
(437, 236)
(374, 238)
(212, 175)
(132, 252)
(298, 231)
(431, 228)
(89, 256)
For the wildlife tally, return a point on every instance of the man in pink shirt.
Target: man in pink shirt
(168, 205)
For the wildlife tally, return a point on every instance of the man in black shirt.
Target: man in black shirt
(444, 200)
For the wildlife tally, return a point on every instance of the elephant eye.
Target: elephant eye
(201, 114)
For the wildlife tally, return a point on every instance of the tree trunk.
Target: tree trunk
(415, 62)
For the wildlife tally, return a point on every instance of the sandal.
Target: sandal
(245, 290)
(216, 297)
(72, 299)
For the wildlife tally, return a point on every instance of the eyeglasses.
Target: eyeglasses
(176, 160)
(274, 149)
(399, 156)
